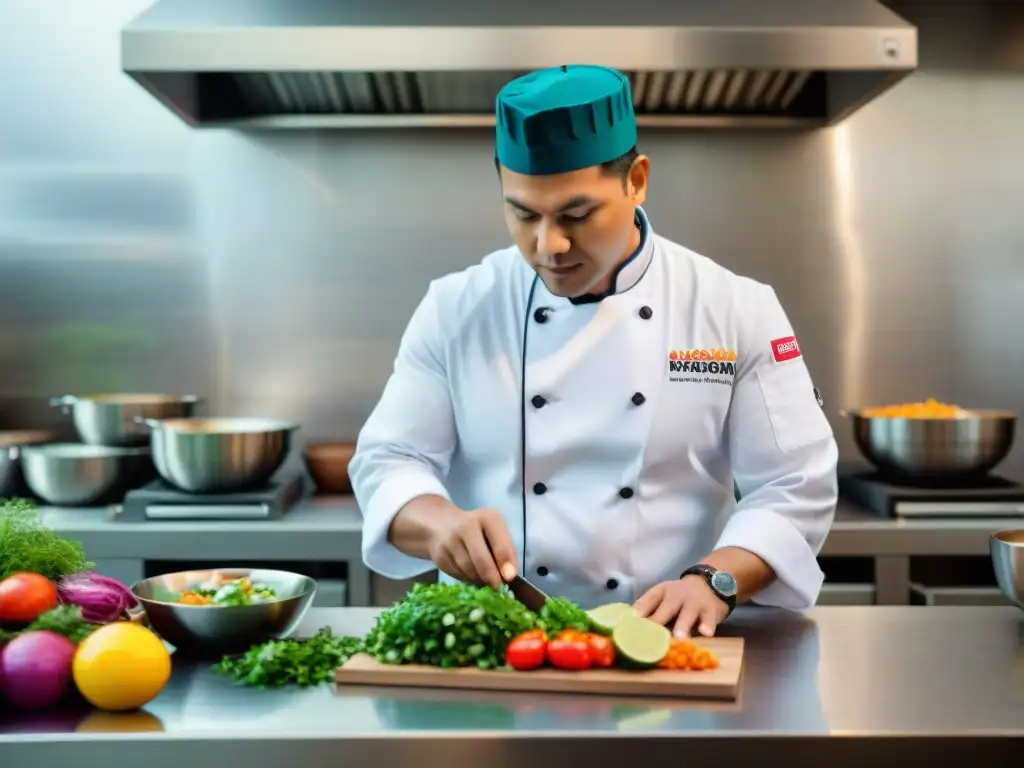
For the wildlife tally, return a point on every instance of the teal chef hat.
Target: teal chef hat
(563, 119)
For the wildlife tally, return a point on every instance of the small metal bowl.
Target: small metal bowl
(78, 474)
(1006, 549)
(218, 630)
(935, 450)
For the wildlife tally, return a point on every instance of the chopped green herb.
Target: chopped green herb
(560, 613)
(449, 625)
(302, 663)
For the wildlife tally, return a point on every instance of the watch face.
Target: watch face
(723, 583)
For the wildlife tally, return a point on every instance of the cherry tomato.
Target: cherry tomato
(23, 596)
(527, 651)
(568, 652)
(602, 650)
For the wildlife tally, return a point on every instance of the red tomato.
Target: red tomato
(527, 651)
(568, 652)
(23, 596)
(602, 650)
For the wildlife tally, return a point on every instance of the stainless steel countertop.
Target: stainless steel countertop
(863, 673)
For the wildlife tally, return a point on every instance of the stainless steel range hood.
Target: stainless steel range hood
(408, 63)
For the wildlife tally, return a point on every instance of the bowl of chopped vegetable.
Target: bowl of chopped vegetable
(224, 610)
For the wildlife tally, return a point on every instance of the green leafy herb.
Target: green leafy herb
(559, 614)
(449, 625)
(64, 620)
(302, 663)
(28, 545)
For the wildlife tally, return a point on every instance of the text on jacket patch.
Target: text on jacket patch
(703, 366)
(785, 349)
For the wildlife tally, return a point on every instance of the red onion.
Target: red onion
(35, 669)
(101, 598)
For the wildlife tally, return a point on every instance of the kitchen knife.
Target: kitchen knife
(527, 594)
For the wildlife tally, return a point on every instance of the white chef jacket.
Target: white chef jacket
(639, 412)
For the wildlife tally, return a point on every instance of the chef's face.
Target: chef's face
(575, 228)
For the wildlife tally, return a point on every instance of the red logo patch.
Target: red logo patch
(785, 349)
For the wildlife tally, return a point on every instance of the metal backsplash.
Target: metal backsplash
(274, 273)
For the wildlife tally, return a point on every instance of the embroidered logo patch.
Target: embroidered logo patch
(785, 349)
(706, 366)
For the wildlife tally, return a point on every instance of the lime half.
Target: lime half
(641, 642)
(606, 617)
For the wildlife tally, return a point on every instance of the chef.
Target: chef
(577, 407)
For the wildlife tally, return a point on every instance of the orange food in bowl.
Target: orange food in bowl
(929, 409)
(327, 464)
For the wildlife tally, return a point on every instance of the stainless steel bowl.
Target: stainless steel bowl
(219, 455)
(75, 474)
(227, 629)
(11, 477)
(917, 450)
(1007, 551)
(113, 419)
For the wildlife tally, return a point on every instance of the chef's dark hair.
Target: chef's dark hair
(620, 166)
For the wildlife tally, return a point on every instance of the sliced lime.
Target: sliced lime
(606, 617)
(641, 642)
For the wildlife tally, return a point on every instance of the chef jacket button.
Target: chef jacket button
(540, 489)
(612, 584)
(542, 570)
(541, 315)
(639, 399)
(538, 401)
(626, 493)
(646, 312)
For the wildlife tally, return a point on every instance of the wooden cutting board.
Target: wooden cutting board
(722, 683)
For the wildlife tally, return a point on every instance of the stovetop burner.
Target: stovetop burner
(991, 496)
(160, 501)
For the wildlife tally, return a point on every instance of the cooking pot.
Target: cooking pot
(219, 455)
(11, 476)
(964, 448)
(112, 419)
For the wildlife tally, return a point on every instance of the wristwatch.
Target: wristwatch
(722, 583)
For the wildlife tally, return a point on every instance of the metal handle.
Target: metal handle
(64, 402)
(147, 422)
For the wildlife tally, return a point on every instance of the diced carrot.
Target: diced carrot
(685, 655)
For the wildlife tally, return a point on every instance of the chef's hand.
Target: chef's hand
(682, 604)
(475, 547)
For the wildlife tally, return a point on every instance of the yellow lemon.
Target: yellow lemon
(121, 666)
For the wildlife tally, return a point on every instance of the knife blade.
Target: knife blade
(527, 594)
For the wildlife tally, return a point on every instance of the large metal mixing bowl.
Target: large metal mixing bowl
(1007, 551)
(114, 419)
(75, 474)
(922, 450)
(219, 455)
(223, 629)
